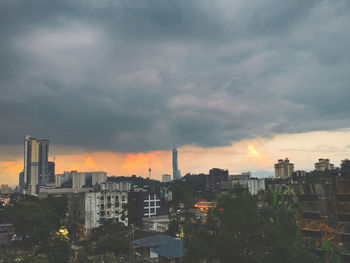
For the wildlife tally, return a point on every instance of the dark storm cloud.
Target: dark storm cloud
(144, 75)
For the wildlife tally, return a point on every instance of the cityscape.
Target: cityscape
(174, 131)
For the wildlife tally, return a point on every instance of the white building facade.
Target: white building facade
(105, 205)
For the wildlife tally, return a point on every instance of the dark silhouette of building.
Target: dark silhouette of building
(176, 171)
(214, 179)
(145, 203)
(51, 172)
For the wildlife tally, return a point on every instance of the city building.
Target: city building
(105, 205)
(243, 176)
(5, 189)
(166, 178)
(36, 173)
(254, 185)
(323, 165)
(123, 186)
(21, 182)
(345, 165)
(215, 178)
(78, 179)
(98, 177)
(299, 173)
(156, 223)
(176, 171)
(284, 169)
(51, 172)
(146, 203)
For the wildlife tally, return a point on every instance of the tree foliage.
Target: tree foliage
(38, 222)
(240, 229)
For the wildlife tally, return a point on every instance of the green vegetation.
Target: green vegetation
(40, 224)
(105, 243)
(240, 229)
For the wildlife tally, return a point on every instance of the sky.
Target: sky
(235, 84)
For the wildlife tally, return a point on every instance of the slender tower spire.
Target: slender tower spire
(149, 170)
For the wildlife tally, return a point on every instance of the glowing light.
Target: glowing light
(252, 150)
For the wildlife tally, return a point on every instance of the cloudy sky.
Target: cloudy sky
(115, 84)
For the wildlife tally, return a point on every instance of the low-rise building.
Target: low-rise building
(156, 223)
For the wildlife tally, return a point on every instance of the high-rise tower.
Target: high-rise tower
(36, 153)
(176, 171)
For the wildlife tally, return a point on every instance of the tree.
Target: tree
(241, 230)
(38, 222)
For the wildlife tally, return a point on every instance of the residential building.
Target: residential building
(98, 177)
(123, 186)
(299, 173)
(284, 169)
(105, 205)
(35, 164)
(323, 165)
(166, 178)
(214, 179)
(78, 179)
(254, 185)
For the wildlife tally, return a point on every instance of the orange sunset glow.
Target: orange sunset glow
(246, 155)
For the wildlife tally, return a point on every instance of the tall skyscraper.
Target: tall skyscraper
(176, 171)
(36, 153)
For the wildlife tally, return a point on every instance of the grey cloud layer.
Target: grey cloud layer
(144, 75)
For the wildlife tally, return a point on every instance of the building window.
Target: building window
(109, 205)
(102, 198)
(102, 206)
(123, 198)
(116, 204)
(108, 198)
(117, 198)
(152, 210)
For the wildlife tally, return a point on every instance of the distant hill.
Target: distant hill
(262, 174)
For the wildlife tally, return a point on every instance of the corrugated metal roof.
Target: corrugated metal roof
(153, 241)
(174, 249)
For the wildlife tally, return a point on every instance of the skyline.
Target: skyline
(114, 83)
(250, 155)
